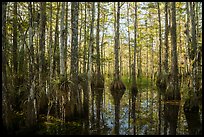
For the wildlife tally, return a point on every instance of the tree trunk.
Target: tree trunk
(85, 39)
(152, 59)
(61, 47)
(160, 41)
(134, 88)
(75, 109)
(91, 47)
(187, 37)
(15, 49)
(80, 35)
(31, 105)
(31, 74)
(56, 40)
(6, 109)
(139, 60)
(103, 46)
(117, 117)
(166, 38)
(116, 75)
(147, 51)
(66, 37)
(193, 48)
(50, 47)
(97, 42)
(90, 69)
(42, 39)
(176, 92)
(129, 42)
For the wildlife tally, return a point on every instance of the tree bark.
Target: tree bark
(42, 39)
(50, 46)
(176, 92)
(116, 75)
(15, 50)
(6, 109)
(91, 46)
(187, 36)
(166, 38)
(193, 46)
(61, 47)
(160, 41)
(97, 42)
(135, 45)
(75, 109)
(85, 49)
(129, 42)
(103, 47)
(31, 105)
(66, 37)
(56, 40)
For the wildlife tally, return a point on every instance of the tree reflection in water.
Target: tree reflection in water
(191, 111)
(99, 99)
(129, 115)
(171, 116)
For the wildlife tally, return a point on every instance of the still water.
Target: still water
(147, 114)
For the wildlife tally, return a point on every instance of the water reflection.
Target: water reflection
(134, 113)
(117, 98)
(99, 99)
(86, 110)
(194, 124)
(193, 119)
(171, 117)
(130, 115)
(159, 101)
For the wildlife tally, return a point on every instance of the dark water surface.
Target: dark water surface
(150, 116)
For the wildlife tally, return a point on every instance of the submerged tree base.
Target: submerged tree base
(172, 92)
(191, 111)
(134, 89)
(117, 85)
(161, 81)
(117, 89)
(191, 105)
(97, 81)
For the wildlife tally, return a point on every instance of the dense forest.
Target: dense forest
(107, 68)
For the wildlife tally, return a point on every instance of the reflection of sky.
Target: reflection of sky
(143, 114)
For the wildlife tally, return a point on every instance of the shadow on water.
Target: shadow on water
(107, 113)
(86, 111)
(134, 113)
(170, 113)
(128, 114)
(171, 117)
(193, 118)
(96, 120)
(117, 100)
(145, 114)
(99, 99)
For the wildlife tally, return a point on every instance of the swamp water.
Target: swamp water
(150, 116)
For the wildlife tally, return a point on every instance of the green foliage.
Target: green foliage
(17, 87)
(54, 126)
(126, 81)
(141, 82)
(62, 83)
